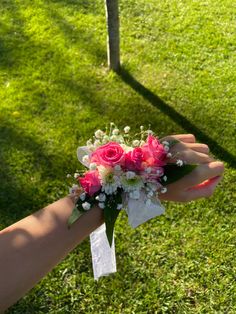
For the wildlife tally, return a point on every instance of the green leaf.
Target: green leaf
(74, 216)
(111, 213)
(174, 172)
(173, 142)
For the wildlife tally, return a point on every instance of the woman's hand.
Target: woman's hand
(202, 181)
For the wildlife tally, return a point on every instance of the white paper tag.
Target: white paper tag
(103, 256)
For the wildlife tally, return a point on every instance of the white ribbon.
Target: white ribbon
(138, 211)
(143, 209)
(103, 256)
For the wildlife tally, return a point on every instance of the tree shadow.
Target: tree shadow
(18, 198)
(19, 195)
(85, 38)
(12, 35)
(219, 151)
(84, 6)
(14, 40)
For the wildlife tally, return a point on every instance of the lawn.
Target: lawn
(178, 74)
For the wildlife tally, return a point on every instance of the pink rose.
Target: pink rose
(154, 152)
(134, 159)
(109, 154)
(90, 182)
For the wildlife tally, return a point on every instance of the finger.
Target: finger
(200, 174)
(206, 183)
(205, 189)
(198, 147)
(186, 138)
(191, 157)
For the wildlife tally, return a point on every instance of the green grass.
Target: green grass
(179, 60)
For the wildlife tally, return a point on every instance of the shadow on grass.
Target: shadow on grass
(188, 126)
(85, 39)
(11, 34)
(15, 42)
(20, 197)
(84, 6)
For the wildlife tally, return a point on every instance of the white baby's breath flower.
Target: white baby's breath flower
(165, 143)
(126, 148)
(164, 178)
(99, 134)
(142, 143)
(127, 129)
(115, 132)
(136, 143)
(86, 206)
(110, 188)
(141, 127)
(148, 170)
(105, 139)
(117, 168)
(120, 139)
(179, 162)
(97, 143)
(76, 175)
(102, 197)
(117, 138)
(101, 205)
(119, 206)
(90, 145)
(149, 132)
(114, 138)
(169, 155)
(91, 148)
(163, 190)
(130, 174)
(93, 166)
(82, 196)
(68, 175)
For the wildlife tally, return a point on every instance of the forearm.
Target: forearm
(30, 248)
